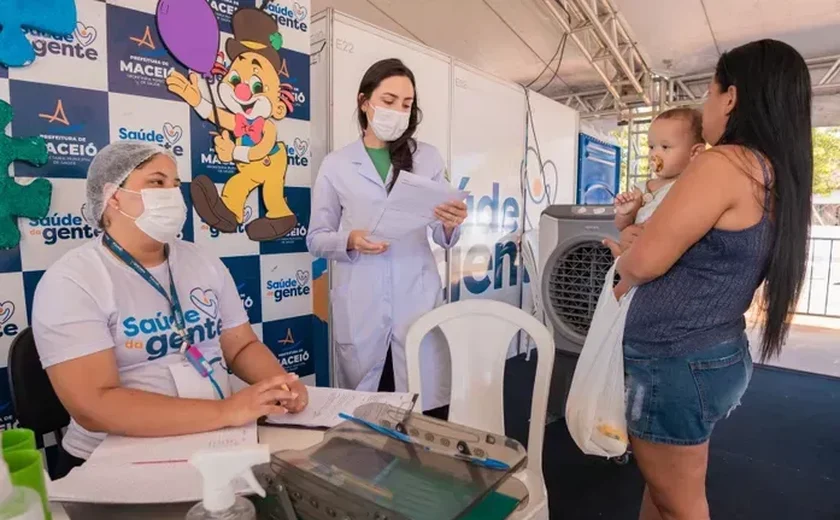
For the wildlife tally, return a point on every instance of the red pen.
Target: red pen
(173, 461)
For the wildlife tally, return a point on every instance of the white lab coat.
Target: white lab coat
(376, 298)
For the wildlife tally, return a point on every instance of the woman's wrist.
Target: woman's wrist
(223, 415)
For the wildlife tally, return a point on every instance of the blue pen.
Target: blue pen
(394, 434)
(375, 427)
(485, 463)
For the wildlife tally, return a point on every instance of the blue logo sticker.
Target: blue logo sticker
(76, 45)
(295, 242)
(290, 287)
(73, 122)
(10, 323)
(290, 17)
(291, 342)
(58, 227)
(298, 153)
(138, 63)
(245, 271)
(168, 136)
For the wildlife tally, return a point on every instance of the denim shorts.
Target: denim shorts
(678, 400)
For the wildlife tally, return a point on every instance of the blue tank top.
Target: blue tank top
(702, 299)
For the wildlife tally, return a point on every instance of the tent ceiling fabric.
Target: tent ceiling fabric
(515, 39)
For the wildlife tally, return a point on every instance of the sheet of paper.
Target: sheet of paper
(129, 470)
(420, 195)
(326, 403)
(133, 484)
(411, 205)
(120, 451)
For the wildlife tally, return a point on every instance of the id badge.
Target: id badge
(190, 382)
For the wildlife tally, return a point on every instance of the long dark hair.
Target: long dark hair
(772, 115)
(402, 150)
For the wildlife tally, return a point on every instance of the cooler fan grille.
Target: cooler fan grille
(575, 282)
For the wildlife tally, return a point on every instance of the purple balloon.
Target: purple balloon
(190, 32)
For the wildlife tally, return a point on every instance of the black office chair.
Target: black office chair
(36, 405)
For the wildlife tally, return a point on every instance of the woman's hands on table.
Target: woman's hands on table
(274, 396)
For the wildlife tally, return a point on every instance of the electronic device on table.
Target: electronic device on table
(388, 463)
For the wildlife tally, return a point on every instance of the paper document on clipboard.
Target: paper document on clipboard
(411, 205)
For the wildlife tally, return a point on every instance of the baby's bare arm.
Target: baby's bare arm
(627, 206)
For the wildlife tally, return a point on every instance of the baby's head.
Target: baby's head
(675, 138)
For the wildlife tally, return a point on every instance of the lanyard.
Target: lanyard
(171, 297)
(190, 353)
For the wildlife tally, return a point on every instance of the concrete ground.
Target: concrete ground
(813, 346)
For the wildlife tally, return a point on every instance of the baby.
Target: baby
(675, 138)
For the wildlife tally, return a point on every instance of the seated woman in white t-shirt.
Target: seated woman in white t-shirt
(110, 339)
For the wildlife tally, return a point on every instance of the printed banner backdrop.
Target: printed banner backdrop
(485, 262)
(106, 82)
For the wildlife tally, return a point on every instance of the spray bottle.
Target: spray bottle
(17, 503)
(219, 468)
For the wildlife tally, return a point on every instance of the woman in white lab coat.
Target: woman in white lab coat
(380, 289)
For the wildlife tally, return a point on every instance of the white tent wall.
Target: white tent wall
(487, 150)
(476, 121)
(552, 139)
(358, 45)
(551, 173)
(319, 91)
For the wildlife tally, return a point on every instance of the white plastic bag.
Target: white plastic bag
(596, 405)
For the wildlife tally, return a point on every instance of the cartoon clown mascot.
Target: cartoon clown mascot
(253, 100)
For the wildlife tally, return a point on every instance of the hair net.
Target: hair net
(109, 169)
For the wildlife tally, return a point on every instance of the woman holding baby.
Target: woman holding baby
(737, 218)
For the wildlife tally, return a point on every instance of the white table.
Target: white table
(276, 438)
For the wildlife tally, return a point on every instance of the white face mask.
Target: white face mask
(164, 213)
(388, 124)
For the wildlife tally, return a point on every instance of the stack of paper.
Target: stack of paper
(326, 403)
(117, 450)
(127, 470)
(411, 205)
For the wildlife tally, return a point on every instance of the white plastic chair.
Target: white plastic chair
(530, 257)
(479, 333)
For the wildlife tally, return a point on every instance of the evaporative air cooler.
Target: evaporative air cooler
(573, 265)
